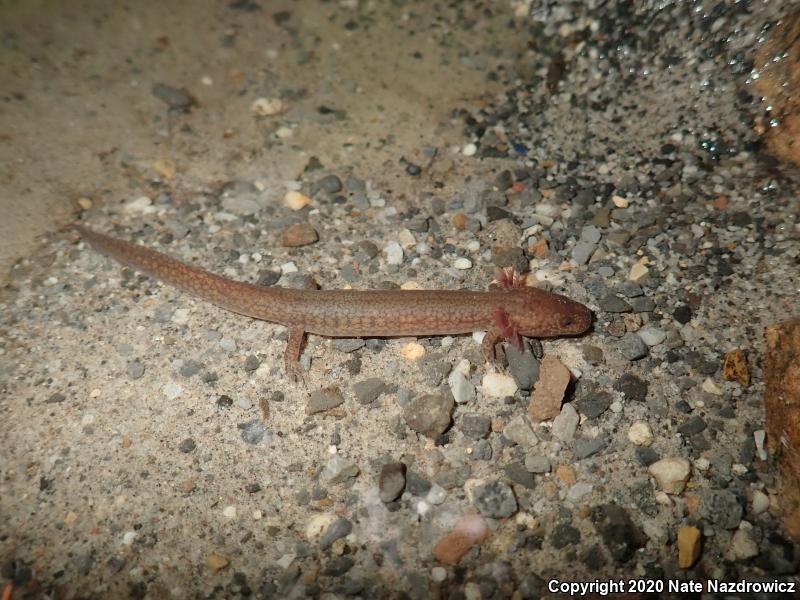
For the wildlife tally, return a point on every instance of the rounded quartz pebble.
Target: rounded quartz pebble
(462, 263)
(671, 473)
(640, 434)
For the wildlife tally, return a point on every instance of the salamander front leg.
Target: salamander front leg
(294, 347)
(502, 328)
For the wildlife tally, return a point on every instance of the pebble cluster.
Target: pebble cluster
(618, 167)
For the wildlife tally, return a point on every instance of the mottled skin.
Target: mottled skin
(508, 310)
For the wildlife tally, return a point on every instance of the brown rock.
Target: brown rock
(566, 474)
(548, 393)
(471, 529)
(689, 543)
(782, 406)
(734, 367)
(539, 249)
(217, 562)
(299, 234)
(778, 65)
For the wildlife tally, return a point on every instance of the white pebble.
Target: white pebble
(128, 538)
(469, 150)
(498, 385)
(462, 263)
(229, 512)
(438, 574)
(394, 253)
(406, 238)
(436, 495)
(142, 204)
(288, 267)
(640, 434)
(760, 502)
(266, 107)
(652, 336)
(172, 390)
(760, 436)
(227, 344)
(671, 473)
(711, 387)
(463, 391)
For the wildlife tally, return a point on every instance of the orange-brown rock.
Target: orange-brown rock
(782, 406)
(471, 529)
(734, 367)
(778, 64)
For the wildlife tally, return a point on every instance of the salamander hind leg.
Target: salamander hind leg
(291, 357)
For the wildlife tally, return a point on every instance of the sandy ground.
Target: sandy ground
(152, 446)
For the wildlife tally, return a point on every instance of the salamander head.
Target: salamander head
(536, 313)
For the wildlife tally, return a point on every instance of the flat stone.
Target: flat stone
(495, 500)
(429, 414)
(548, 393)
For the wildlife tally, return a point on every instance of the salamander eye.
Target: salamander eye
(567, 321)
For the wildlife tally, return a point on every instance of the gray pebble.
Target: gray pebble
(595, 404)
(632, 347)
(177, 98)
(536, 463)
(495, 500)
(523, 366)
(585, 447)
(565, 423)
(614, 304)
(135, 369)
(368, 390)
(693, 426)
(475, 426)
(56, 398)
(520, 475)
(190, 368)
(251, 363)
(416, 484)
(429, 414)
(620, 534)
(643, 304)
(252, 432)
(187, 445)
(564, 535)
(721, 507)
(630, 386)
(391, 482)
(590, 234)
(330, 184)
(340, 528)
(582, 252)
(482, 450)
(630, 289)
(324, 399)
(348, 344)
(519, 431)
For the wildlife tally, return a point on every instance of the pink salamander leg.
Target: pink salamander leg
(508, 278)
(503, 328)
(294, 347)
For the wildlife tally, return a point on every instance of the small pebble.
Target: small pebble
(632, 347)
(469, 530)
(640, 434)
(462, 263)
(689, 544)
(296, 200)
(391, 482)
(652, 336)
(299, 234)
(548, 393)
(394, 253)
(462, 389)
(498, 385)
(671, 474)
(495, 500)
(565, 424)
